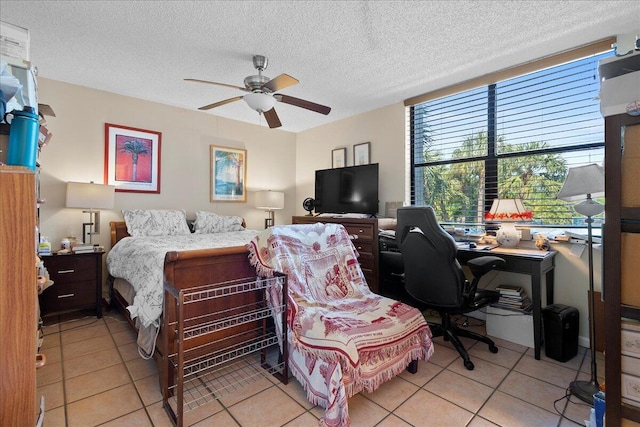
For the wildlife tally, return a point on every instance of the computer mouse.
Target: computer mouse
(472, 245)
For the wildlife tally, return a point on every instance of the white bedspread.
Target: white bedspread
(140, 261)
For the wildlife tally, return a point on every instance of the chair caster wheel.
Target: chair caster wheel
(469, 365)
(493, 349)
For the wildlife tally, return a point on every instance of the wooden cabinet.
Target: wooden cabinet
(621, 244)
(18, 293)
(77, 283)
(364, 234)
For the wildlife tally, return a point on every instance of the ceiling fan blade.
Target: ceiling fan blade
(219, 103)
(272, 118)
(244, 89)
(302, 103)
(280, 82)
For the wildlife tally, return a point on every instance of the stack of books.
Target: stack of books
(513, 298)
(82, 249)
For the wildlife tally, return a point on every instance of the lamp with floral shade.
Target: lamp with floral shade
(508, 212)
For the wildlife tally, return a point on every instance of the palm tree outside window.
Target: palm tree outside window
(515, 138)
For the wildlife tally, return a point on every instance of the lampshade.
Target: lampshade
(508, 210)
(260, 102)
(583, 180)
(89, 195)
(269, 200)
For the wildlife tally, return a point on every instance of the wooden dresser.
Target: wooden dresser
(364, 232)
(18, 296)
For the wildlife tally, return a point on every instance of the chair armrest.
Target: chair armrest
(482, 265)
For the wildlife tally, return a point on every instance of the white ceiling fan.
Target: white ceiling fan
(262, 97)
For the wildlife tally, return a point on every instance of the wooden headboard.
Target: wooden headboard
(119, 230)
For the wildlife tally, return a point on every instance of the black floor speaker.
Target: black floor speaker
(560, 323)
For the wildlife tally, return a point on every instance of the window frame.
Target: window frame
(492, 156)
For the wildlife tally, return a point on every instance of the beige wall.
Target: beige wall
(384, 128)
(76, 153)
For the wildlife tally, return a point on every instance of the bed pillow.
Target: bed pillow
(156, 222)
(209, 222)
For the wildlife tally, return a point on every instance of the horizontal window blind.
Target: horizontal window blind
(515, 138)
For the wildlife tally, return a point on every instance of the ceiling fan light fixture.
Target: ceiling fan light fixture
(260, 102)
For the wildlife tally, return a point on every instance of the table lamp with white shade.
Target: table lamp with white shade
(508, 212)
(269, 201)
(583, 183)
(90, 196)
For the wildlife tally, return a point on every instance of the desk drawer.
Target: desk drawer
(68, 296)
(363, 231)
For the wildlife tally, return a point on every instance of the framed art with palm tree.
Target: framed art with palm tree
(228, 174)
(132, 159)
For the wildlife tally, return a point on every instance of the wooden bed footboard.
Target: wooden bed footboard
(187, 269)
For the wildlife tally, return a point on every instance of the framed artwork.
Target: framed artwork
(361, 153)
(339, 158)
(228, 174)
(132, 159)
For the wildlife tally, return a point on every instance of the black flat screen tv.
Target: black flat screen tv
(351, 189)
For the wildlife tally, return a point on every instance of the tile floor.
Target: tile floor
(95, 377)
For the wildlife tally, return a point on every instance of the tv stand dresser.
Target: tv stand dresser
(364, 234)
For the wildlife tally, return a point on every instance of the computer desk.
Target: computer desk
(533, 262)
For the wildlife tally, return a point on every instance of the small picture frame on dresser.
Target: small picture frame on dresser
(339, 158)
(361, 154)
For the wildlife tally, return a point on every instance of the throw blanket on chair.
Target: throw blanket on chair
(343, 338)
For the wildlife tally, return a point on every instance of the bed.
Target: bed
(185, 266)
(326, 382)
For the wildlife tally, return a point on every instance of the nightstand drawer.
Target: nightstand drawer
(77, 283)
(71, 268)
(363, 231)
(69, 296)
(68, 275)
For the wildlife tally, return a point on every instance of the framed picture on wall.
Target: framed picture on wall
(132, 159)
(361, 153)
(339, 158)
(228, 177)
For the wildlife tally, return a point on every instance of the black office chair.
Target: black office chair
(434, 278)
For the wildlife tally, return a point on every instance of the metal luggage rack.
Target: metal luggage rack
(219, 353)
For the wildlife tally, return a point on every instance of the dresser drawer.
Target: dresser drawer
(366, 261)
(68, 296)
(363, 231)
(370, 277)
(363, 247)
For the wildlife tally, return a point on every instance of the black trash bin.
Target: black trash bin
(560, 323)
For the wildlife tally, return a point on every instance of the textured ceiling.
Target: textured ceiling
(354, 56)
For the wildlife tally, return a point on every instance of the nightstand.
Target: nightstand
(77, 283)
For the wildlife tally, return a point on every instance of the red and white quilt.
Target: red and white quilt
(343, 338)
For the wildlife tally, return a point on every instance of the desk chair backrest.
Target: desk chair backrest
(433, 275)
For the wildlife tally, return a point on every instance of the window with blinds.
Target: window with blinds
(515, 138)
